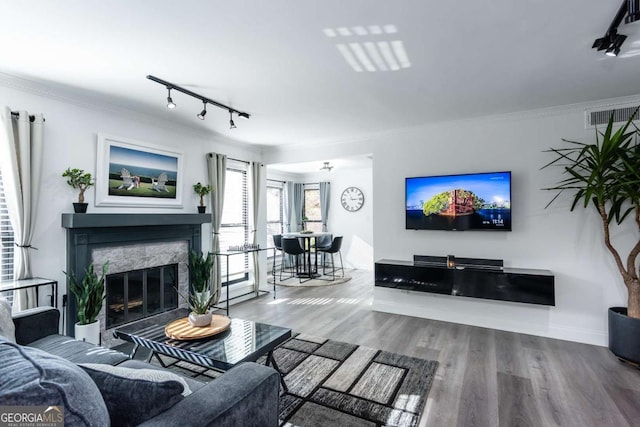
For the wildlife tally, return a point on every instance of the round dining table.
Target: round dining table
(307, 246)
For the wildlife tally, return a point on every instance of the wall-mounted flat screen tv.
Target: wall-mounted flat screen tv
(476, 201)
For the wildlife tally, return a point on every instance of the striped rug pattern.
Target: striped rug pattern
(336, 383)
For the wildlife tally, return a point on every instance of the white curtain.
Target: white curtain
(217, 168)
(256, 182)
(21, 144)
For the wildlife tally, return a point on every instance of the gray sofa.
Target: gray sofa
(246, 395)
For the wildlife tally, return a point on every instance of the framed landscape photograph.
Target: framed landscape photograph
(133, 173)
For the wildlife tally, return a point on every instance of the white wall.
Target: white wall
(568, 244)
(70, 138)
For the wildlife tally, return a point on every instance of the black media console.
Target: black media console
(467, 277)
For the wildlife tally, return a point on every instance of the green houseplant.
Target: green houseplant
(78, 179)
(89, 294)
(202, 190)
(606, 174)
(200, 270)
(201, 297)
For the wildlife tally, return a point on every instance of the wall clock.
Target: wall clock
(352, 199)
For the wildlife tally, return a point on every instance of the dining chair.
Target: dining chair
(277, 243)
(336, 245)
(291, 246)
(322, 242)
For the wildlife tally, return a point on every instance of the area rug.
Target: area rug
(325, 281)
(332, 383)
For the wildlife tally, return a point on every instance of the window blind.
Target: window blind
(6, 238)
(234, 227)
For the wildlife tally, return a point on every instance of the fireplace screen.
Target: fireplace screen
(136, 294)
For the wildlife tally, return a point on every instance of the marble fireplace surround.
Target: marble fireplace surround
(149, 239)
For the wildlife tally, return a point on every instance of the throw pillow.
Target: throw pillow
(132, 395)
(7, 328)
(29, 377)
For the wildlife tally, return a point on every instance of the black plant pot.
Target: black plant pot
(80, 207)
(202, 209)
(624, 335)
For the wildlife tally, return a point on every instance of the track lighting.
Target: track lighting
(170, 103)
(611, 42)
(614, 48)
(205, 101)
(203, 112)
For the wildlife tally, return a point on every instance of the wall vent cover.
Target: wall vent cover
(600, 118)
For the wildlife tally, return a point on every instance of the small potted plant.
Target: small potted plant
(202, 190)
(89, 294)
(199, 304)
(77, 178)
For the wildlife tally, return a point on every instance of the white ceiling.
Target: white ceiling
(337, 165)
(273, 59)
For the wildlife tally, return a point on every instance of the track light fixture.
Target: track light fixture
(614, 48)
(231, 124)
(203, 112)
(170, 103)
(205, 100)
(611, 42)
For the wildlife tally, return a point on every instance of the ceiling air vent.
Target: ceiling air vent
(600, 118)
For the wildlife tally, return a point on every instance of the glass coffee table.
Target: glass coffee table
(244, 341)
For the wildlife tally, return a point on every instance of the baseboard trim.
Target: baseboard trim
(585, 336)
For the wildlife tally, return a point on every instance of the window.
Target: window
(312, 207)
(234, 227)
(6, 239)
(275, 210)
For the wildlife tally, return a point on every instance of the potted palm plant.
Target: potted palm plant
(202, 190)
(89, 294)
(606, 175)
(77, 178)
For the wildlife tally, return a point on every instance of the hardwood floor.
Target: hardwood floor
(485, 378)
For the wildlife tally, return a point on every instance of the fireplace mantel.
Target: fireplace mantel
(70, 220)
(87, 232)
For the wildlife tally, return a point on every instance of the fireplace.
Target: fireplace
(134, 295)
(148, 260)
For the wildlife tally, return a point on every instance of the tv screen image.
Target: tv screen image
(477, 201)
